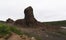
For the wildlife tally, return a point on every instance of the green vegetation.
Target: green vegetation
(15, 30)
(56, 23)
(6, 29)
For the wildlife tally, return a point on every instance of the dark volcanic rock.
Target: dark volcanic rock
(29, 19)
(9, 20)
(20, 22)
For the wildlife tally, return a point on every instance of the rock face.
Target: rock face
(9, 20)
(29, 19)
(20, 22)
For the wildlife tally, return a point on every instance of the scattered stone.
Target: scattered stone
(33, 38)
(25, 37)
(47, 36)
(7, 36)
(15, 37)
(18, 37)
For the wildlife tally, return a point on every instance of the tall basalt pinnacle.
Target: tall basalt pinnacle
(29, 17)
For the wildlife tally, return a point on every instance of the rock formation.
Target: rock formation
(29, 19)
(20, 22)
(9, 20)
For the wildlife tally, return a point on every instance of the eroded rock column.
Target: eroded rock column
(29, 17)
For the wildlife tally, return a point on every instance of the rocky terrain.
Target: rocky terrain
(32, 29)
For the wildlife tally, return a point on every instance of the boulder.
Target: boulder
(9, 20)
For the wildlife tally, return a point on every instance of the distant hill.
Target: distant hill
(2, 21)
(56, 23)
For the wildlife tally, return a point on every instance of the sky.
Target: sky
(44, 10)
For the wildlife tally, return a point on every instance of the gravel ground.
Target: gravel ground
(44, 35)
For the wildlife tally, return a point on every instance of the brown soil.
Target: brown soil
(43, 34)
(18, 37)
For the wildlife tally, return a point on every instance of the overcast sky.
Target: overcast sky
(44, 10)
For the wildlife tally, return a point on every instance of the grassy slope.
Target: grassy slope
(56, 23)
(6, 29)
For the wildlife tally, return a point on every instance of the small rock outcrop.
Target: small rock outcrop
(9, 20)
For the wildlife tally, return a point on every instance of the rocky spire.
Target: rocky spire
(29, 16)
